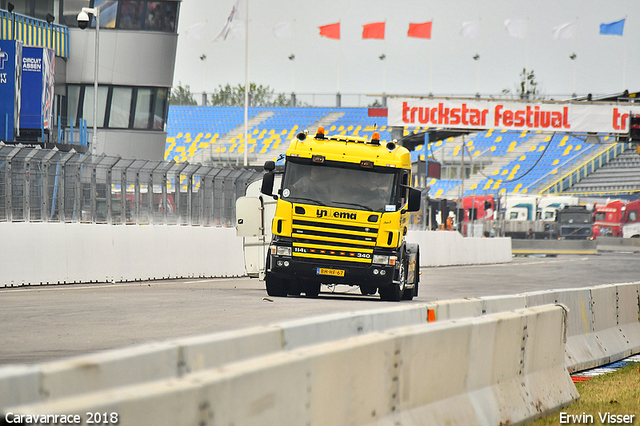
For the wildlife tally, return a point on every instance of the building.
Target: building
(137, 50)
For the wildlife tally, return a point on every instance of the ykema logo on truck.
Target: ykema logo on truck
(337, 214)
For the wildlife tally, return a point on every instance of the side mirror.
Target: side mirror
(267, 183)
(415, 198)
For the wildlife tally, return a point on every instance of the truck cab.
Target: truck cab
(574, 223)
(341, 217)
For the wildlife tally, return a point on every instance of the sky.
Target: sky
(443, 65)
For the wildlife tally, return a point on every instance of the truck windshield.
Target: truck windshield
(600, 217)
(575, 218)
(340, 187)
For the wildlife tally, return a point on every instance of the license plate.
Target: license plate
(334, 272)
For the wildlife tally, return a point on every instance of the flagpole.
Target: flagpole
(246, 84)
(624, 63)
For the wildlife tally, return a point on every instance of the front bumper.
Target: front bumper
(326, 272)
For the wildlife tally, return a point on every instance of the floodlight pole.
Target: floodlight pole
(246, 84)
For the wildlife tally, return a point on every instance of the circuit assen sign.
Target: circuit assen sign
(530, 116)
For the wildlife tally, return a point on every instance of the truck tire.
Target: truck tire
(410, 293)
(395, 292)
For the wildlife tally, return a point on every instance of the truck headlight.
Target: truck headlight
(283, 251)
(384, 260)
(380, 259)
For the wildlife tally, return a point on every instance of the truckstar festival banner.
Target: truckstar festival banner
(510, 115)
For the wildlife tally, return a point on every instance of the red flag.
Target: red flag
(420, 30)
(331, 31)
(374, 30)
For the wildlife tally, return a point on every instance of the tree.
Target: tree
(259, 96)
(182, 96)
(528, 88)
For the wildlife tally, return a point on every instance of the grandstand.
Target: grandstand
(496, 161)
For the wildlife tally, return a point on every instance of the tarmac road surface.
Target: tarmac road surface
(41, 323)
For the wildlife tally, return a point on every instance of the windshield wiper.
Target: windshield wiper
(319, 203)
(353, 204)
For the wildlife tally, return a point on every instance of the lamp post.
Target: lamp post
(10, 8)
(50, 18)
(83, 21)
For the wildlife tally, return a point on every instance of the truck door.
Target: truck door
(250, 225)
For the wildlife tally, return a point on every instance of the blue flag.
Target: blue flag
(614, 28)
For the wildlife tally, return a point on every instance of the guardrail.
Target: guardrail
(511, 355)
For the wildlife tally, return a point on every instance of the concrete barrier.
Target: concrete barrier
(618, 244)
(376, 378)
(52, 253)
(554, 247)
(445, 248)
(602, 325)
(58, 253)
(174, 358)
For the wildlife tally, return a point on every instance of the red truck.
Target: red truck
(608, 220)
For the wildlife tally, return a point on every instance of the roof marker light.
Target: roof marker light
(320, 133)
(375, 138)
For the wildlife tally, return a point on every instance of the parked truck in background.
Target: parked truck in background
(610, 219)
(341, 217)
(573, 223)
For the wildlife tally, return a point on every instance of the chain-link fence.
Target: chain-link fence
(39, 185)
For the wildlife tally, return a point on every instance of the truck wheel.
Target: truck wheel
(410, 293)
(275, 287)
(395, 292)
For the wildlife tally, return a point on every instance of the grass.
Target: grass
(617, 393)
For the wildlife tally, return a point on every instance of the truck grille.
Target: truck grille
(574, 232)
(333, 240)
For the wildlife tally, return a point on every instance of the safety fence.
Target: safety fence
(39, 185)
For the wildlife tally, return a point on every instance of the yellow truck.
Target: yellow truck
(341, 217)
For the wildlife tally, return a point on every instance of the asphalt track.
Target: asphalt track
(42, 323)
